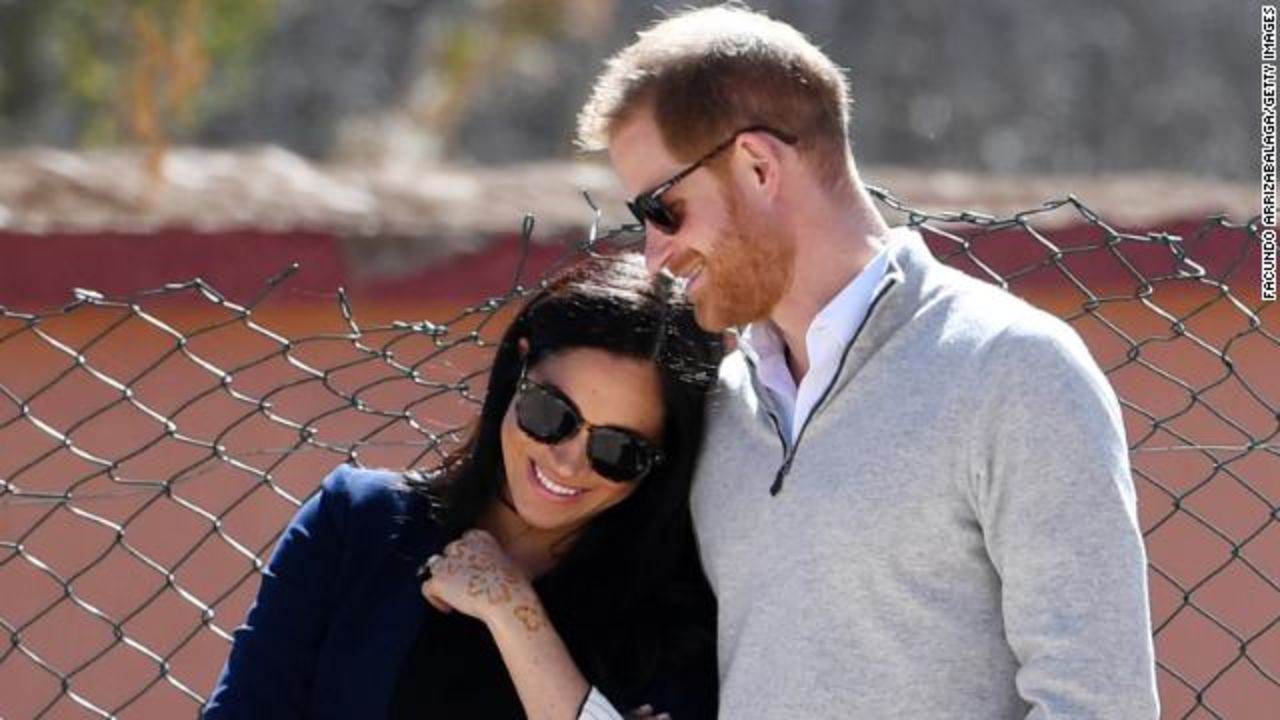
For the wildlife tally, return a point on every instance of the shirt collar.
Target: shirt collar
(835, 323)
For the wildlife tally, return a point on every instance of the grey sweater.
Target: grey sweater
(954, 534)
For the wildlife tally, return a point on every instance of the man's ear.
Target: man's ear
(763, 161)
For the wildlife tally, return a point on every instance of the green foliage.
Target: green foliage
(107, 54)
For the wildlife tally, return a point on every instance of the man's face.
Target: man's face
(738, 262)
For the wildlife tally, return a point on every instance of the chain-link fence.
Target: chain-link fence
(153, 447)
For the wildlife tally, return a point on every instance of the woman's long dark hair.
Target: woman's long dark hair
(628, 594)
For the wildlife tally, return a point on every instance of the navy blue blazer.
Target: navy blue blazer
(340, 607)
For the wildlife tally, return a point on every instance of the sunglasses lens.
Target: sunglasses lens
(638, 211)
(664, 219)
(544, 416)
(650, 210)
(617, 455)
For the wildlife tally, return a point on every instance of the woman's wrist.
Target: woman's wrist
(547, 680)
(523, 614)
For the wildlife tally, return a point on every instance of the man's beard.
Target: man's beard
(748, 271)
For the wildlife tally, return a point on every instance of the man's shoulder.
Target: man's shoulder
(966, 312)
(1007, 340)
(991, 315)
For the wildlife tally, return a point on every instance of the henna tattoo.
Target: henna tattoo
(495, 589)
(478, 560)
(479, 563)
(529, 616)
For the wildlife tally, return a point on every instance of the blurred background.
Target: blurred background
(1029, 86)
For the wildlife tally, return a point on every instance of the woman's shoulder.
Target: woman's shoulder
(376, 498)
(359, 485)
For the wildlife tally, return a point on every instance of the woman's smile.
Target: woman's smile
(552, 489)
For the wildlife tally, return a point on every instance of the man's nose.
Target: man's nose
(658, 247)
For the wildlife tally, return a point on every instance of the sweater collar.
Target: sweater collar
(909, 271)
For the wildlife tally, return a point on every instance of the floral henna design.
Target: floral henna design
(532, 618)
(475, 560)
(496, 589)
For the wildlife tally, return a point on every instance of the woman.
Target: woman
(560, 578)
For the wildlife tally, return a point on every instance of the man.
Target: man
(915, 500)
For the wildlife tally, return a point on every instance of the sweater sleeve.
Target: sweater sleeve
(270, 669)
(1058, 512)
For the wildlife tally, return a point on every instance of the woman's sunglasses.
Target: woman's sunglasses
(548, 416)
(648, 206)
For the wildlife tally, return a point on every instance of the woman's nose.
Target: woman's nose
(570, 455)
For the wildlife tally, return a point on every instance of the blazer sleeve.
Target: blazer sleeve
(273, 656)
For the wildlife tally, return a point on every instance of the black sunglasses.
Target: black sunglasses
(547, 415)
(648, 206)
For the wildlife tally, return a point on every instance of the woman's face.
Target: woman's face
(553, 486)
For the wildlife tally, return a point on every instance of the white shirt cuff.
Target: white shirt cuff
(596, 707)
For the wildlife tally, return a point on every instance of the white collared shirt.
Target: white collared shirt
(830, 332)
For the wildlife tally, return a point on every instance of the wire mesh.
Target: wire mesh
(152, 448)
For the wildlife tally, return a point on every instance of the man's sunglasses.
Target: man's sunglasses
(648, 206)
(547, 415)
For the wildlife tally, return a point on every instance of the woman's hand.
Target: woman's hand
(645, 712)
(474, 576)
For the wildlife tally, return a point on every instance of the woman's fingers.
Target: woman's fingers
(645, 712)
(427, 568)
(431, 585)
(479, 537)
(432, 596)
